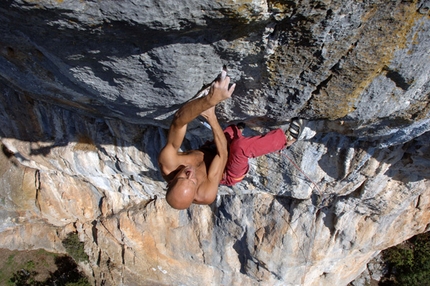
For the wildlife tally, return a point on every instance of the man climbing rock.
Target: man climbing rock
(194, 176)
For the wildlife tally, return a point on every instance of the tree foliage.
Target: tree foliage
(409, 262)
(75, 248)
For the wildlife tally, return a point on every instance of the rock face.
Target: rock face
(88, 89)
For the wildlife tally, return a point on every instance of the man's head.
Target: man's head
(182, 188)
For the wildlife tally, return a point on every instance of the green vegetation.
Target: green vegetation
(409, 262)
(75, 248)
(37, 268)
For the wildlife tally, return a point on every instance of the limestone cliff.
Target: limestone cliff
(88, 89)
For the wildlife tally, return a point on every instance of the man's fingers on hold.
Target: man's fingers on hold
(223, 83)
(232, 88)
(223, 75)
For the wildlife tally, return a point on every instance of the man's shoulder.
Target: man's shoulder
(171, 161)
(206, 192)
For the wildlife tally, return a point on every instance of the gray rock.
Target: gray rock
(88, 90)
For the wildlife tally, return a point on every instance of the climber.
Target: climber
(194, 176)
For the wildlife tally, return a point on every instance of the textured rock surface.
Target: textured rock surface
(87, 91)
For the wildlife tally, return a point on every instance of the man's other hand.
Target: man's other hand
(209, 114)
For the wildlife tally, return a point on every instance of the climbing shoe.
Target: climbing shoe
(295, 129)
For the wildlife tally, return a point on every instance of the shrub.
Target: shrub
(75, 248)
(409, 261)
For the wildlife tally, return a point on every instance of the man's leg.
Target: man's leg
(237, 163)
(242, 148)
(232, 132)
(256, 146)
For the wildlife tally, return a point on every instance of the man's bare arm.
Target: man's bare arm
(207, 192)
(219, 91)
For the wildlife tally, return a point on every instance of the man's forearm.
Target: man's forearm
(218, 92)
(191, 110)
(219, 137)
